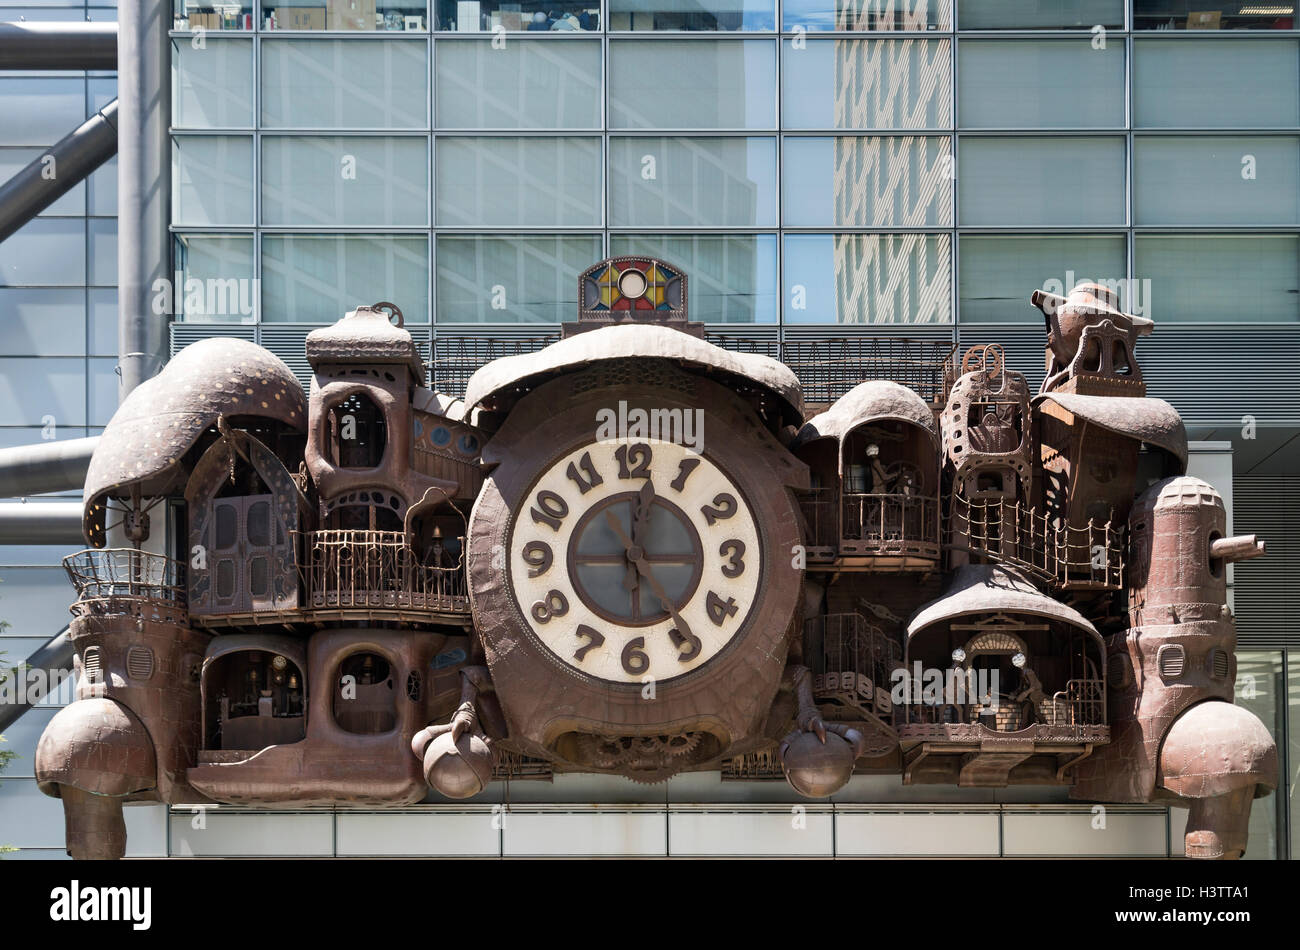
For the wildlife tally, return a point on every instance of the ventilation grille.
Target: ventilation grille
(1217, 664)
(90, 665)
(1171, 660)
(1266, 599)
(139, 663)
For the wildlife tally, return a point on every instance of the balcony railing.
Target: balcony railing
(107, 578)
(1062, 554)
(346, 569)
(853, 660)
(880, 524)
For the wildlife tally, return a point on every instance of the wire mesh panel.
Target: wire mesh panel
(104, 575)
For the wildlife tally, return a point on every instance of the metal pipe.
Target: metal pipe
(58, 45)
(56, 522)
(143, 187)
(55, 659)
(45, 467)
(1239, 548)
(53, 174)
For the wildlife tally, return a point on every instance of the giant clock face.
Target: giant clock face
(634, 560)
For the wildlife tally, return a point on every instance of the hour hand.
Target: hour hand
(630, 578)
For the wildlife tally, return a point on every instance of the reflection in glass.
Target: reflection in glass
(692, 15)
(212, 179)
(531, 181)
(309, 278)
(345, 180)
(867, 84)
(692, 84)
(347, 15)
(867, 181)
(999, 272)
(732, 277)
(1161, 15)
(324, 84)
(215, 277)
(1039, 14)
(883, 15)
(1256, 275)
(1040, 84)
(551, 16)
(867, 278)
(1216, 83)
(1029, 180)
(527, 85)
(692, 182)
(524, 279)
(212, 87)
(1210, 180)
(211, 15)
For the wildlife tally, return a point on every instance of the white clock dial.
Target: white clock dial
(631, 560)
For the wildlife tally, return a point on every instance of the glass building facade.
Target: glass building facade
(819, 169)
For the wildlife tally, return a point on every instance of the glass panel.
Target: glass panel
(212, 87)
(1261, 688)
(692, 15)
(102, 264)
(525, 85)
(1161, 15)
(14, 160)
(42, 322)
(561, 16)
(1040, 84)
(692, 84)
(318, 278)
(45, 252)
(512, 279)
(102, 314)
(328, 84)
(1207, 180)
(1256, 274)
(732, 278)
(210, 15)
(216, 278)
(259, 524)
(999, 272)
(527, 181)
(212, 179)
(867, 84)
(1041, 181)
(102, 388)
(102, 185)
(259, 577)
(866, 181)
(346, 15)
(226, 528)
(887, 15)
(1217, 83)
(40, 110)
(345, 180)
(708, 182)
(226, 579)
(1039, 14)
(867, 278)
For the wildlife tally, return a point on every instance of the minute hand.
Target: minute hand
(643, 568)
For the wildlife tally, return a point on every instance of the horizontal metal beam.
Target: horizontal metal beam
(45, 466)
(58, 45)
(40, 523)
(55, 658)
(51, 175)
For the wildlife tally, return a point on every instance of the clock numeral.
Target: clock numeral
(554, 605)
(634, 658)
(719, 609)
(684, 469)
(723, 507)
(551, 509)
(537, 555)
(637, 456)
(688, 640)
(593, 477)
(595, 638)
(734, 551)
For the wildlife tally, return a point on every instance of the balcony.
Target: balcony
(853, 662)
(1066, 556)
(358, 573)
(127, 582)
(871, 531)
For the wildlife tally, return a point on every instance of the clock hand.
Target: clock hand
(640, 520)
(637, 557)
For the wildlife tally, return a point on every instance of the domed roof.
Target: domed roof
(1215, 748)
(98, 746)
(365, 335)
(1149, 420)
(877, 399)
(164, 416)
(515, 374)
(1182, 491)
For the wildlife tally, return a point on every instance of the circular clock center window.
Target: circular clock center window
(632, 284)
(611, 578)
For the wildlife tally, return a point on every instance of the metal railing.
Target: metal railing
(106, 574)
(892, 524)
(1010, 533)
(848, 644)
(456, 359)
(1081, 703)
(346, 568)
